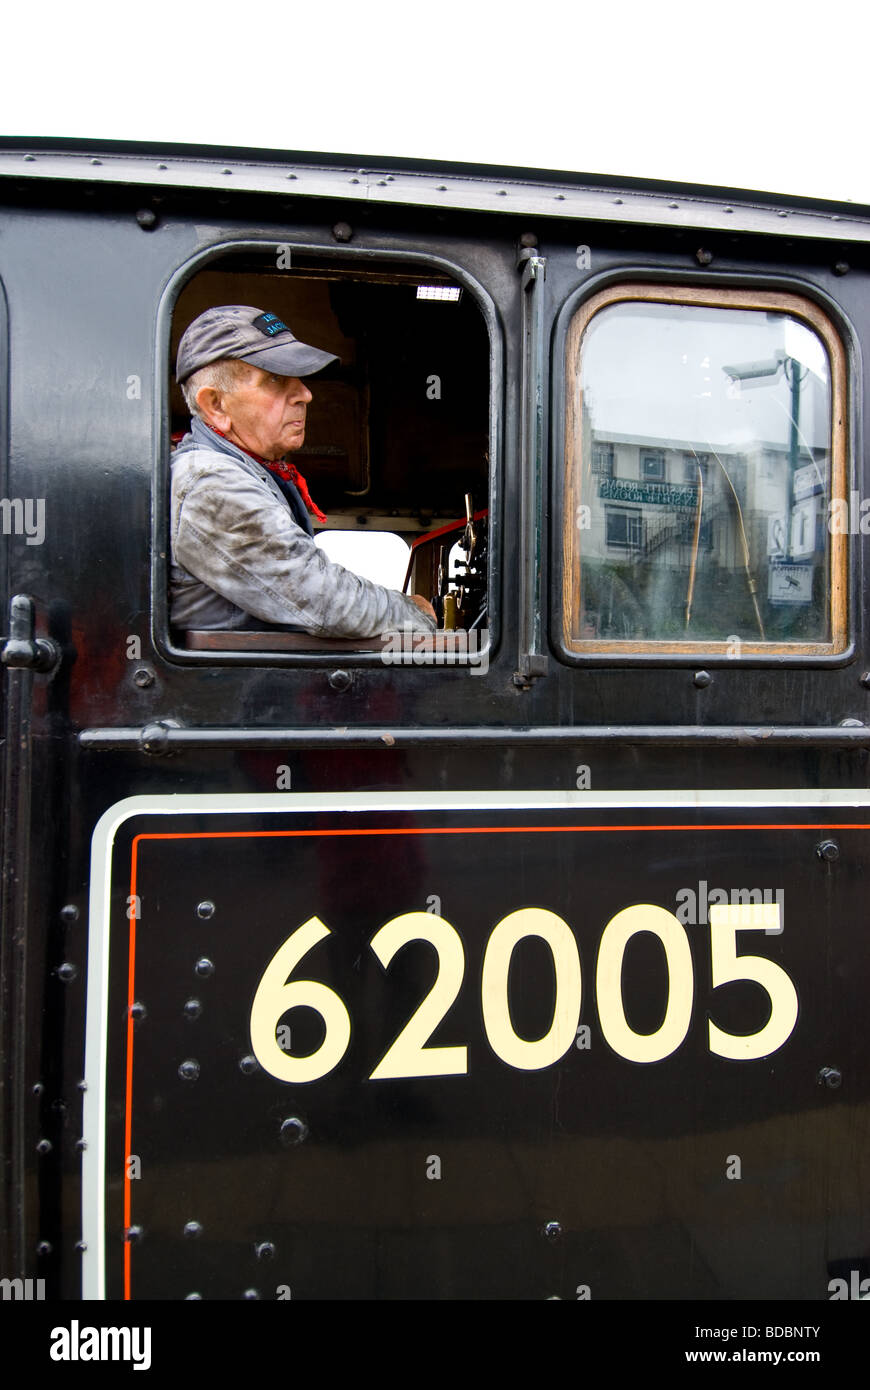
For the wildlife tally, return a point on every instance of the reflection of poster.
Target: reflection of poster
(776, 533)
(808, 480)
(803, 528)
(791, 584)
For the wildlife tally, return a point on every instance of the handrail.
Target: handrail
(165, 737)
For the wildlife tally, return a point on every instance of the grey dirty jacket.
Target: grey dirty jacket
(237, 550)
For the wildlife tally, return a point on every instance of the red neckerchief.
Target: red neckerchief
(288, 471)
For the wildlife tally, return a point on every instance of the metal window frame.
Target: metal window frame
(346, 257)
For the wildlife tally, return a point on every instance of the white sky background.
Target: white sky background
(747, 94)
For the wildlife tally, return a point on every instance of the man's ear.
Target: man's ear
(210, 404)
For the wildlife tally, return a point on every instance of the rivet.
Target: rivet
(849, 723)
(96, 161)
(193, 1298)
(841, 268)
(59, 1106)
(442, 188)
(38, 1088)
(293, 1131)
(782, 213)
(501, 193)
(248, 1065)
(163, 166)
(828, 850)
(552, 1230)
(226, 171)
(391, 178)
(147, 219)
(67, 972)
(192, 1008)
(44, 1146)
(205, 909)
(703, 256)
(143, 677)
(528, 239)
(81, 1085)
(81, 1145)
(44, 1247)
(81, 1246)
(138, 1011)
(204, 967)
(382, 183)
(560, 197)
(339, 680)
(265, 1250)
(193, 1229)
(189, 1069)
(617, 202)
(251, 1294)
(342, 231)
(29, 158)
(69, 913)
(354, 180)
(727, 209)
(702, 679)
(292, 176)
(831, 1077)
(673, 206)
(133, 1234)
(864, 678)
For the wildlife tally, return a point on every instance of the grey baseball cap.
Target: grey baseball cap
(258, 337)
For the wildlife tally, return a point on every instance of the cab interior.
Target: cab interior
(398, 434)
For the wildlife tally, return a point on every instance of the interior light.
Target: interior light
(450, 293)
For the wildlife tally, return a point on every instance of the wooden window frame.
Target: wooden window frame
(717, 297)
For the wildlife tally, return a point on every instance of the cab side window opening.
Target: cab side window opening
(397, 433)
(705, 444)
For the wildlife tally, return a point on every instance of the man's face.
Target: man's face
(266, 413)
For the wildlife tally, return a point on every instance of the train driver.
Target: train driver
(243, 553)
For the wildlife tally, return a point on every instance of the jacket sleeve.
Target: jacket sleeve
(233, 534)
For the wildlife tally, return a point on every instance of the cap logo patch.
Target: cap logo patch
(269, 324)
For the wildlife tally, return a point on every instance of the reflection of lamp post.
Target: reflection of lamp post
(769, 370)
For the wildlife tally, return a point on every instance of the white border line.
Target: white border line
(102, 844)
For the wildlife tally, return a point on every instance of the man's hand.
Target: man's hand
(423, 604)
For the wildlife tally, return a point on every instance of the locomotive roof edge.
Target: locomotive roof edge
(400, 181)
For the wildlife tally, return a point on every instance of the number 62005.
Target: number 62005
(410, 1054)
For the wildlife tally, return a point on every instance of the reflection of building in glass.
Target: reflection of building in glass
(700, 436)
(660, 513)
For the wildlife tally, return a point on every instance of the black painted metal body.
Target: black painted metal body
(88, 287)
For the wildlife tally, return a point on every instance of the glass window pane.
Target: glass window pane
(708, 523)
